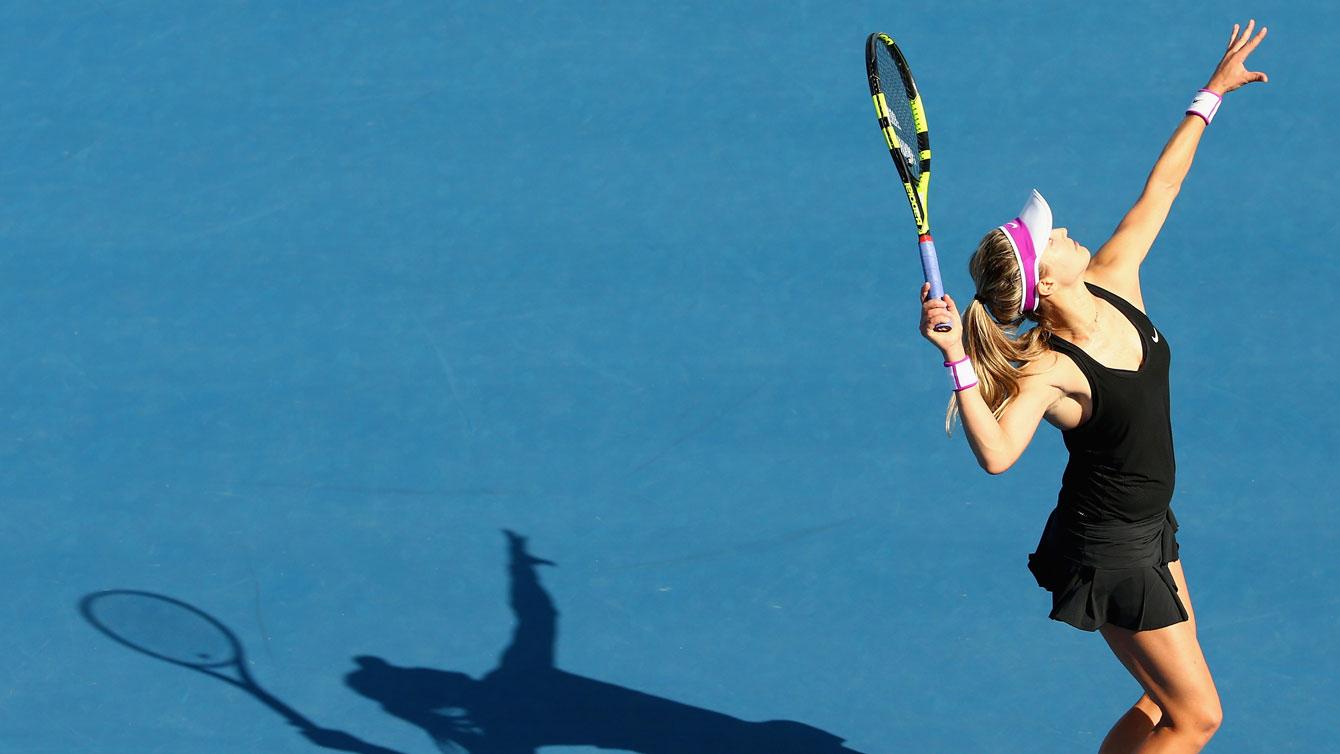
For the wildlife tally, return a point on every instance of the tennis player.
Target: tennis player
(1096, 368)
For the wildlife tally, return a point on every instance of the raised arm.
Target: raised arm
(1116, 266)
(532, 646)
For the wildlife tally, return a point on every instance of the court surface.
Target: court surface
(304, 304)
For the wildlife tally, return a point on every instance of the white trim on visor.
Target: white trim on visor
(1029, 234)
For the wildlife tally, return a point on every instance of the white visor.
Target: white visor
(1029, 234)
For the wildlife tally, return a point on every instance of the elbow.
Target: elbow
(995, 455)
(995, 461)
(1171, 189)
(1166, 187)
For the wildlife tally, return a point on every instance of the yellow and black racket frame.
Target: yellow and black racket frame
(913, 161)
(917, 185)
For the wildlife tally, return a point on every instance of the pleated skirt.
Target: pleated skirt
(1089, 592)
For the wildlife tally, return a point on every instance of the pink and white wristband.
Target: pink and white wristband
(961, 374)
(1205, 104)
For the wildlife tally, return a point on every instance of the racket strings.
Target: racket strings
(900, 110)
(163, 628)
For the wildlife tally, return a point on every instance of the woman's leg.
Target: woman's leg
(1133, 728)
(1169, 664)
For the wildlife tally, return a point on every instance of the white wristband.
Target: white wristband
(1205, 104)
(961, 374)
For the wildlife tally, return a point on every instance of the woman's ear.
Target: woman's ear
(1046, 286)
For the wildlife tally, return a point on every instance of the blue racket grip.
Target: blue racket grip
(930, 267)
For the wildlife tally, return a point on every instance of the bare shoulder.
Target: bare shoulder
(1044, 391)
(1053, 369)
(1054, 373)
(1064, 387)
(1123, 282)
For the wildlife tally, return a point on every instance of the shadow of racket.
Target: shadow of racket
(173, 631)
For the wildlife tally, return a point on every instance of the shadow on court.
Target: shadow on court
(524, 704)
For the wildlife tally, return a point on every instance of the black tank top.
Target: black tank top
(1121, 465)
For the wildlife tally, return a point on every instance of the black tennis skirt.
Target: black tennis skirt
(1139, 596)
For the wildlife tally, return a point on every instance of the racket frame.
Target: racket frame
(916, 187)
(238, 661)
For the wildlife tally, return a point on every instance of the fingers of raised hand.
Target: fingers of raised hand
(1236, 40)
(1256, 40)
(1232, 71)
(1244, 43)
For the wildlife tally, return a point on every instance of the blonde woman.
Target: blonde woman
(1096, 368)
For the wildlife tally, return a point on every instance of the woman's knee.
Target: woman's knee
(1200, 721)
(1151, 708)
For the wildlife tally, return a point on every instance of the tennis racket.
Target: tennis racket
(175, 632)
(902, 118)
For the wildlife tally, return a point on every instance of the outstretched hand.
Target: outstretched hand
(517, 545)
(1232, 71)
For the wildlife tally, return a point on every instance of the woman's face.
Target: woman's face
(1064, 259)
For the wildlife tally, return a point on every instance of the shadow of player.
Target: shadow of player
(527, 703)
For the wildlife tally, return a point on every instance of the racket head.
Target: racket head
(902, 119)
(163, 628)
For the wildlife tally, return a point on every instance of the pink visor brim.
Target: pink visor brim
(1028, 233)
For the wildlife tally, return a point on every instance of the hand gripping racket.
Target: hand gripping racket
(902, 118)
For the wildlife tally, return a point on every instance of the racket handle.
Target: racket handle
(930, 267)
(293, 717)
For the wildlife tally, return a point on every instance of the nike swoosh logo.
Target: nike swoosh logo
(1012, 224)
(1156, 336)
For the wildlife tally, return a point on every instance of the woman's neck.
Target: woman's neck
(1073, 314)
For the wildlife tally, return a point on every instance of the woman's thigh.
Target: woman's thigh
(1168, 662)
(1179, 578)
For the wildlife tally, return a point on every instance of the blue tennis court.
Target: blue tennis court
(307, 305)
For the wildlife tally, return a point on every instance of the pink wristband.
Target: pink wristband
(961, 374)
(1205, 104)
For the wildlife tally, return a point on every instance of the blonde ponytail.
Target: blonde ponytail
(999, 352)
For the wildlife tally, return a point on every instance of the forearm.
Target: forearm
(997, 444)
(993, 447)
(986, 437)
(1230, 74)
(1175, 161)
